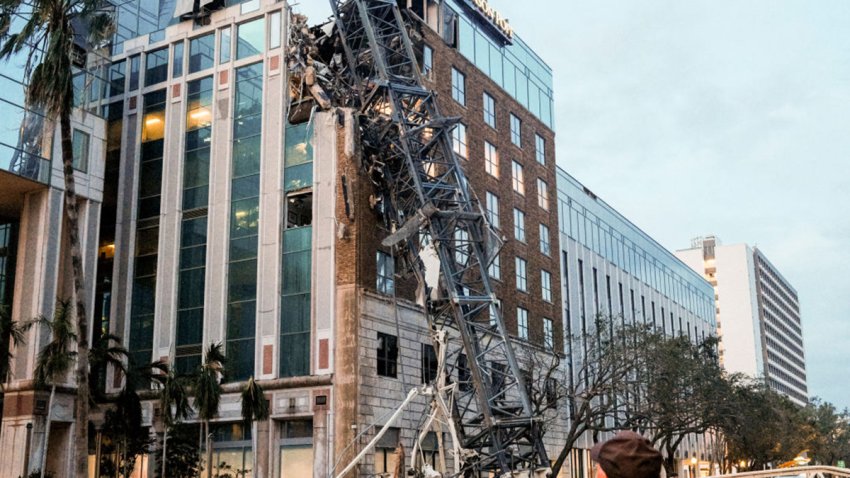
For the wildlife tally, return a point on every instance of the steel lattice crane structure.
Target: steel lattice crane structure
(428, 202)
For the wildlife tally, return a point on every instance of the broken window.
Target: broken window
(385, 456)
(386, 273)
(387, 355)
(299, 210)
(428, 367)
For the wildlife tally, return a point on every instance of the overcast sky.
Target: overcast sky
(714, 117)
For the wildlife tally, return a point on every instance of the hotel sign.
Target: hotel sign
(494, 18)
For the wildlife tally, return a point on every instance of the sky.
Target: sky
(713, 117)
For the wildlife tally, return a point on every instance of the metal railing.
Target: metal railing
(801, 471)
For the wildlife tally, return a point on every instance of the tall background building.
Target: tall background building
(613, 270)
(758, 314)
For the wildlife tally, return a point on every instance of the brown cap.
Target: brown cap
(628, 455)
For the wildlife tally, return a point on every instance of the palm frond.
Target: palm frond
(254, 403)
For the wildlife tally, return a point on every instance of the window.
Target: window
(116, 78)
(495, 270)
(177, 64)
(156, 67)
(542, 194)
(386, 273)
(521, 274)
(387, 355)
(516, 131)
(519, 225)
(492, 312)
(201, 51)
(548, 333)
(540, 148)
(545, 247)
(518, 177)
(462, 247)
(459, 141)
(522, 323)
(491, 159)
(134, 73)
(250, 38)
(274, 30)
(80, 146)
(489, 110)
(427, 61)
(224, 46)
(385, 456)
(546, 285)
(493, 209)
(458, 86)
(428, 367)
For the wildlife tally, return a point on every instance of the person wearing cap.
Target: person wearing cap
(627, 455)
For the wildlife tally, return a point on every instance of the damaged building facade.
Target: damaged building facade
(236, 210)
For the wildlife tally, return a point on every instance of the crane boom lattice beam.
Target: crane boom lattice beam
(427, 199)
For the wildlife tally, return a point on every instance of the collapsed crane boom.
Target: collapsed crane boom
(427, 200)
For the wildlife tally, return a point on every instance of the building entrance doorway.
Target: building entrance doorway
(296, 449)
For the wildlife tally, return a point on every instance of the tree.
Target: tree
(680, 390)
(255, 407)
(591, 389)
(174, 402)
(54, 361)
(831, 440)
(208, 391)
(11, 334)
(106, 350)
(49, 38)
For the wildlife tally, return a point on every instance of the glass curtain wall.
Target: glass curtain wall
(193, 238)
(244, 221)
(147, 227)
(297, 246)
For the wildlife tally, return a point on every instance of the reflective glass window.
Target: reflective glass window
(201, 53)
(156, 66)
(250, 38)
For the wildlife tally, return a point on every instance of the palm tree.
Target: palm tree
(255, 407)
(11, 333)
(48, 39)
(105, 350)
(55, 360)
(173, 399)
(208, 394)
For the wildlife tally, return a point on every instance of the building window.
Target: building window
(156, 67)
(385, 456)
(522, 323)
(492, 312)
(177, 62)
(427, 61)
(546, 285)
(495, 269)
(548, 333)
(274, 30)
(250, 38)
(134, 73)
(519, 225)
(493, 209)
(521, 274)
(201, 53)
(516, 130)
(224, 45)
(458, 86)
(428, 367)
(459, 141)
(542, 194)
(518, 177)
(387, 355)
(491, 159)
(80, 146)
(386, 273)
(489, 110)
(545, 247)
(540, 148)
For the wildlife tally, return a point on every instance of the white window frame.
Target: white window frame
(518, 177)
(540, 148)
(543, 194)
(521, 274)
(545, 243)
(548, 333)
(493, 209)
(459, 143)
(519, 225)
(491, 159)
(516, 130)
(489, 110)
(458, 86)
(522, 323)
(546, 285)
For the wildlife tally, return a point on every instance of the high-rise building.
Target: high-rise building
(613, 270)
(758, 314)
(224, 208)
